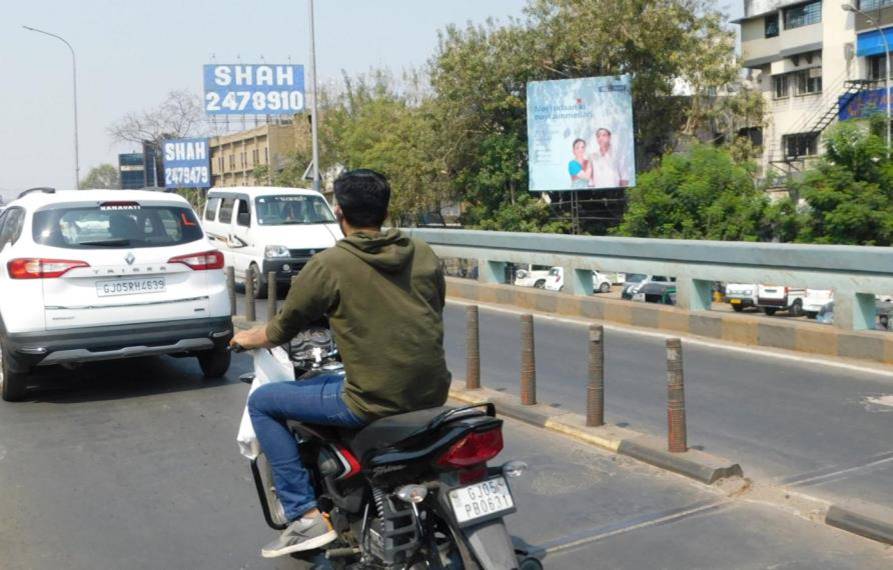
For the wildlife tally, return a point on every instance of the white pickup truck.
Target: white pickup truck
(774, 298)
(741, 295)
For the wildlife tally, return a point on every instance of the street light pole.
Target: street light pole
(871, 21)
(314, 133)
(74, 82)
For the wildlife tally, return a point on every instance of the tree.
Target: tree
(180, 115)
(102, 176)
(850, 192)
(702, 194)
(479, 77)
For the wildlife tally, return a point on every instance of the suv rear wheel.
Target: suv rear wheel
(12, 384)
(214, 362)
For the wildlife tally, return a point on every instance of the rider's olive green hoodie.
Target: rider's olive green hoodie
(384, 296)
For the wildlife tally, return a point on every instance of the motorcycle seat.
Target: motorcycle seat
(391, 430)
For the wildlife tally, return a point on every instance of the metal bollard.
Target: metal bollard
(249, 295)
(595, 391)
(271, 295)
(472, 349)
(231, 289)
(528, 362)
(677, 439)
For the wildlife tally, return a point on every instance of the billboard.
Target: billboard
(861, 105)
(132, 170)
(249, 89)
(580, 134)
(187, 163)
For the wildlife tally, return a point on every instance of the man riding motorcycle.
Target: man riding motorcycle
(378, 289)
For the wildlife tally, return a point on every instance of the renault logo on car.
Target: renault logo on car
(129, 258)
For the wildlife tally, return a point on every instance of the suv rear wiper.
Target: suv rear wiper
(107, 242)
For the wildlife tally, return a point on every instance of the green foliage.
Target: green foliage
(850, 193)
(479, 76)
(102, 176)
(702, 194)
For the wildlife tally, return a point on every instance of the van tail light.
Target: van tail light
(472, 449)
(200, 261)
(40, 268)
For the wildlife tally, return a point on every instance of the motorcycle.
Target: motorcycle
(409, 491)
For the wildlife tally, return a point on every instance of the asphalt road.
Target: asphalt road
(783, 419)
(133, 465)
(794, 422)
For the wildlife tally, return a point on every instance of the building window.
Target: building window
(220, 162)
(232, 162)
(803, 15)
(874, 4)
(770, 24)
(809, 81)
(266, 155)
(877, 66)
(800, 144)
(255, 156)
(780, 86)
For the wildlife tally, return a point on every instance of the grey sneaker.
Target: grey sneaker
(303, 534)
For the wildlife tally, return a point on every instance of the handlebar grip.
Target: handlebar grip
(237, 348)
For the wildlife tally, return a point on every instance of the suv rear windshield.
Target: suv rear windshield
(118, 225)
(287, 210)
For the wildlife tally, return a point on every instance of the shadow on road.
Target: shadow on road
(120, 379)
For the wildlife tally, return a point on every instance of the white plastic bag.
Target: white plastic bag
(269, 366)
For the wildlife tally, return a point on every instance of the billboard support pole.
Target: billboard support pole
(313, 115)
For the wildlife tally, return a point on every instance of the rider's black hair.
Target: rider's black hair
(363, 195)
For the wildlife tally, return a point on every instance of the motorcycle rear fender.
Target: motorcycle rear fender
(491, 545)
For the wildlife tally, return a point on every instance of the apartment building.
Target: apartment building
(235, 156)
(815, 63)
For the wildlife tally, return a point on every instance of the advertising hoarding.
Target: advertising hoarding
(253, 89)
(187, 163)
(861, 105)
(580, 134)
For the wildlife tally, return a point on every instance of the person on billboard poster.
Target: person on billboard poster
(608, 170)
(579, 168)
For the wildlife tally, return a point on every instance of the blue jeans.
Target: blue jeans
(314, 401)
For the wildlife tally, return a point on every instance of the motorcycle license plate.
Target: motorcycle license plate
(483, 500)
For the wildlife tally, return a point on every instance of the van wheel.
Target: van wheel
(260, 283)
(12, 384)
(541, 284)
(214, 362)
(796, 309)
(604, 288)
(769, 310)
(737, 308)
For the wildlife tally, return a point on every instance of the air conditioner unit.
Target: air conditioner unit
(849, 51)
(815, 72)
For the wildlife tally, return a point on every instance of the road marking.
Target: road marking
(886, 400)
(807, 479)
(646, 521)
(811, 360)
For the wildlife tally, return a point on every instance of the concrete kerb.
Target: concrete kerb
(694, 464)
(869, 521)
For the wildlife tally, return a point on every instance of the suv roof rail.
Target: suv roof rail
(44, 189)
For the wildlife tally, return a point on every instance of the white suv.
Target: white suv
(105, 274)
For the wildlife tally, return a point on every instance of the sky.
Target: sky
(131, 54)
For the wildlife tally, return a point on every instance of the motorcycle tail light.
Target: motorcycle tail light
(473, 449)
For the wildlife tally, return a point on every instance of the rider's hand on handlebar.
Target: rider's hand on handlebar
(249, 340)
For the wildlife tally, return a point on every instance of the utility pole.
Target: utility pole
(314, 133)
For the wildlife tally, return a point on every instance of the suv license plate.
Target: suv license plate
(482, 500)
(130, 287)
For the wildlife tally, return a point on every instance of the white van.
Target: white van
(268, 229)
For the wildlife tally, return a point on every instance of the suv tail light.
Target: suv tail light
(473, 449)
(40, 268)
(200, 261)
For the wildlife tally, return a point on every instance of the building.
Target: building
(814, 62)
(236, 156)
